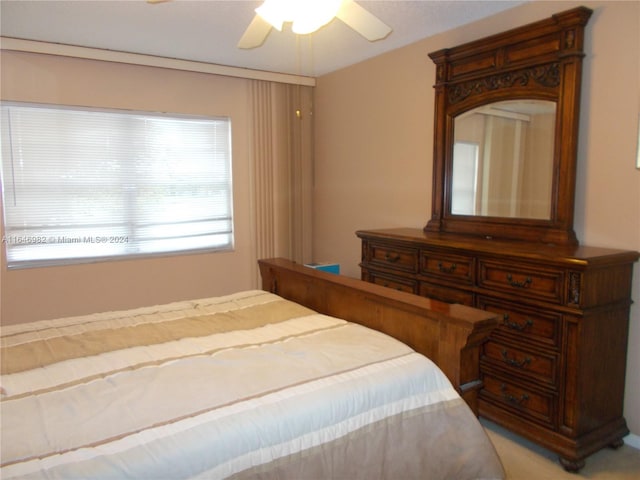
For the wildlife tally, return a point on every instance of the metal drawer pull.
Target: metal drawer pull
(444, 269)
(511, 398)
(513, 362)
(515, 326)
(514, 283)
(391, 258)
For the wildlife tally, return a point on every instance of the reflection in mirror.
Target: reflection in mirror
(503, 160)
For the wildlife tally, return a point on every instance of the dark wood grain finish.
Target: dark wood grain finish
(543, 61)
(554, 369)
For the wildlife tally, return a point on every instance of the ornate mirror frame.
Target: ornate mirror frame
(543, 61)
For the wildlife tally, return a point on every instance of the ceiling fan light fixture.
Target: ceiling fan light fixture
(273, 12)
(307, 16)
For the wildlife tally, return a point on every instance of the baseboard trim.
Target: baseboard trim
(632, 440)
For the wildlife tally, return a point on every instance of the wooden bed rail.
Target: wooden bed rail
(449, 334)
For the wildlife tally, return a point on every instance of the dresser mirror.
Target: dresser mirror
(503, 160)
(506, 129)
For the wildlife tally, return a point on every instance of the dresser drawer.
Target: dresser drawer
(453, 268)
(404, 285)
(446, 294)
(525, 324)
(521, 362)
(393, 257)
(520, 280)
(525, 402)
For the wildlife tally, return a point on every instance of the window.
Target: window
(81, 185)
(465, 178)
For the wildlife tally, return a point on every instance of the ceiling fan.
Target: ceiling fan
(307, 16)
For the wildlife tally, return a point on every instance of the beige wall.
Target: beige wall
(41, 293)
(374, 128)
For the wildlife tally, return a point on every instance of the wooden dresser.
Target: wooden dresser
(554, 370)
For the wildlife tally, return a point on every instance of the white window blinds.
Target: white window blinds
(82, 185)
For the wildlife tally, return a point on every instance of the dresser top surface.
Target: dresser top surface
(579, 254)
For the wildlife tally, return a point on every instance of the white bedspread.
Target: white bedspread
(247, 385)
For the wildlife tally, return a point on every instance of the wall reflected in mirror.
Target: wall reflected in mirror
(503, 160)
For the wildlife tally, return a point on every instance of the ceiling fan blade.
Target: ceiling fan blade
(363, 21)
(255, 34)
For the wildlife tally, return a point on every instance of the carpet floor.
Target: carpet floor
(524, 460)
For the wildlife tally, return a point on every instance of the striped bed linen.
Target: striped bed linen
(248, 385)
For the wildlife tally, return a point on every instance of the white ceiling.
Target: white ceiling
(208, 30)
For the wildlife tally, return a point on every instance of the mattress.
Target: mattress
(248, 385)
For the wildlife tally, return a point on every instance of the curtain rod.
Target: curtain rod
(33, 46)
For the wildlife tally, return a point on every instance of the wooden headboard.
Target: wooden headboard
(449, 334)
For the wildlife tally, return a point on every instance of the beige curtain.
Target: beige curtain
(282, 159)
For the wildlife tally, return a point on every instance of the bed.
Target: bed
(293, 381)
